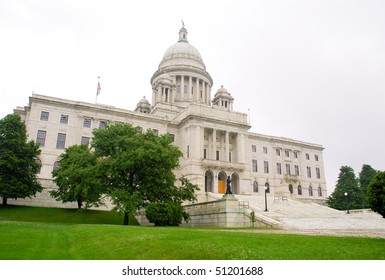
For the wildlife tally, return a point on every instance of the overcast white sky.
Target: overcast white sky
(309, 70)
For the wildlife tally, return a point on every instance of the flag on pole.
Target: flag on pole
(99, 88)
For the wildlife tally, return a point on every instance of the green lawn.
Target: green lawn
(81, 239)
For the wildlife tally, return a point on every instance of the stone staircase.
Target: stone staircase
(291, 214)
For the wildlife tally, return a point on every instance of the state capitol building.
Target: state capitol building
(216, 141)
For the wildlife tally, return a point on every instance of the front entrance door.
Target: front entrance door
(221, 186)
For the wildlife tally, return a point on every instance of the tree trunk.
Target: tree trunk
(5, 203)
(80, 203)
(125, 222)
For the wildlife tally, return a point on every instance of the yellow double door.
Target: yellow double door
(221, 186)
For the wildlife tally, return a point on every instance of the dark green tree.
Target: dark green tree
(171, 212)
(365, 177)
(376, 193)
(137, 167)
(78, 178)
(347, 183)
(18, 160)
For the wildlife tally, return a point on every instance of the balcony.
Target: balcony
(209, 163)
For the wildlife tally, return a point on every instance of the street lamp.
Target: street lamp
(266, 200)
(347, 203)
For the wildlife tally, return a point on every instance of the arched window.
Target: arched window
(310, 191)
(255, 187)
(299, 190)
(38, 161)
(56, 165)
(291, 188)
(267, 186)
(319, 191)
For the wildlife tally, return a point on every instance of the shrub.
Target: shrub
(165, 213)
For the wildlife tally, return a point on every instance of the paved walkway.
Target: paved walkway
(311, 218)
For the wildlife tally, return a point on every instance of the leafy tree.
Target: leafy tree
(365, 177)
(347, 183)
(18, 160)
(376, 193)
(77, 177)
(138, 167)
(171, 213)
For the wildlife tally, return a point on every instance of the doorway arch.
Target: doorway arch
(222, 177)
(209, 181)
(235, 183)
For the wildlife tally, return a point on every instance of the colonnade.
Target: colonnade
(182, 88)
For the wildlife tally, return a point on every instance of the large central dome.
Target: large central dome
(182, 54)
(181, 78)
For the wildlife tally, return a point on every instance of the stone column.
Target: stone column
(227, 146)
(189, 87)
(198, 93)
(214, 145)
(241, 147)
(159, 98)
(203, 99)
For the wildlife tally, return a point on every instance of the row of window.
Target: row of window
(87, 122)
(287, 152)
(290, 187)
(287, 169)
(60, 140)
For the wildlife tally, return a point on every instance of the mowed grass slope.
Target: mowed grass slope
(69, 240)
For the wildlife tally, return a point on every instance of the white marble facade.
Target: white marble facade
(215, 140)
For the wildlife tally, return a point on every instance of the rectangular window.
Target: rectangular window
(266, 166)
(188, 151)
(296, 170)
(287, 168)
(87, 122)
(204, 153)
(295, 154)
(255, 165)
(318, 173)
(172, 137)
(64, 119)
(40, 139)
(156, 132)
(61, 141)
(316, 157)
(217, 155)
(85, 141)
(307, 156)
(185, 89)
(308, 171)
(265, 150)
(287, 153)
(102, 125)
(44, 116)
(278, 152)
(279, 168)
(253, 148)
(178, 90)
(230, 156)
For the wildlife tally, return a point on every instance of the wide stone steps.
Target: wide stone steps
(308, 216)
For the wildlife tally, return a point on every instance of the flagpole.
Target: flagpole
(97, 91)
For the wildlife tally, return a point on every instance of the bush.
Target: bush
(165, 213)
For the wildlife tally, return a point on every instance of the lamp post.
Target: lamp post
(347, 203)
(266, 200)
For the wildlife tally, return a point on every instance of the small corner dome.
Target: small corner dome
(144, 101)
(222, 92)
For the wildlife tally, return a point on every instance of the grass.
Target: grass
(44, 238)
(61, 215)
